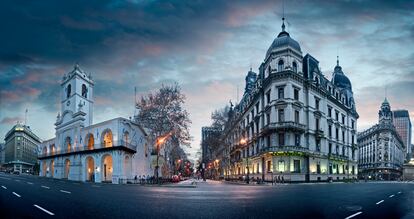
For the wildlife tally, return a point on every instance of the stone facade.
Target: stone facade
(82, 151)
(292, 121)
(381, 149)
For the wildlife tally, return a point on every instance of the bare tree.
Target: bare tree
(162, 112)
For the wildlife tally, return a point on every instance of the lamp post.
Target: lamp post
(244, 142)
(158, 143)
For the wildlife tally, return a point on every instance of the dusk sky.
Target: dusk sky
(206, 46)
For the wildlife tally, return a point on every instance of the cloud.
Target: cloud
(10, 120)
(206, 46)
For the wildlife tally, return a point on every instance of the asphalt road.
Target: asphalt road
(36, 197)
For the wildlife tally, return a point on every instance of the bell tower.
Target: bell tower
(76, 98)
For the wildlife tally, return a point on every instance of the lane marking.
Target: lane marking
(391, 196)
(4, 187)
(30, 183)
(65, 191)
(399, 192)
(16, 194)
(17, 180)
(379, 202)
(95, 186)
(351, 216)
(45, 187)
(48, 212)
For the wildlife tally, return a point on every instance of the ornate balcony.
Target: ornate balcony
(285, 126)
(338, 157)
(287, 150)
(123, 145)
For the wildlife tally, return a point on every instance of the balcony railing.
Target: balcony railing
(86, 148)
(285, 126)
(286, 149)
(337, 157)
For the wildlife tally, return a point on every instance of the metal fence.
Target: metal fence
(146, 181)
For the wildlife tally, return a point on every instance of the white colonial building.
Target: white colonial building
(82, 151)
(292, 122)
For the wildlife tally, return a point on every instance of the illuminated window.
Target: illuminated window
(281, 166)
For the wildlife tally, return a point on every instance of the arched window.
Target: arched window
(295, 67)
(84, 91)
(68, 90)
(280, 66)
(90, 141)
(107, 138)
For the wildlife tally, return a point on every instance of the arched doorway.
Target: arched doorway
(67, 168)
(127, 167)
(90, 169)
(52, 168)
(107, 138)
(44, 168)
(107, 168)
(90, 141)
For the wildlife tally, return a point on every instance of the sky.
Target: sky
(206, 46)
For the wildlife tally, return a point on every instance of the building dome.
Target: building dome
(283, 40)
(339, 79)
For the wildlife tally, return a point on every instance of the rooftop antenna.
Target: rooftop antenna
(283, 18)
(25, 117)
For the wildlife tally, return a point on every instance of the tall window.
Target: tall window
(343, 119)
(317, 124)
(336, 133)
(68, 90)
(267, 118)
(280, 66)
(295, 67)
(318, 145)
(281, 93)
(268, 97)
(297, 139)
(269, 166)
(343, 136)
(268, 141)
(296, 166)
(317, 103)
(281, 139)
(329, 111)
(352, 124)
(336, 115)
(84, 91)
(296, 94)
(318, 168)
(330, 148)
(281, 115)
(269, 69)
(330, 131)
(296, 116)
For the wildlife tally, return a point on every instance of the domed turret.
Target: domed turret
(339, 79)
(283, 40)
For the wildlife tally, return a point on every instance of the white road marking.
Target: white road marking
(95, 186)
(399, 192)
(351, 216)
(48, 212)
(17, 180)
(65, 191)
(379, 202)
(45, 187)
(4, 187)
(391, 196)
(30, 183)
(16, 194)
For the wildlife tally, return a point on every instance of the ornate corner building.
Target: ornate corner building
(381, 149)
(109, 151)
(292, 122)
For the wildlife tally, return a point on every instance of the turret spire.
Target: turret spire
(337, 60)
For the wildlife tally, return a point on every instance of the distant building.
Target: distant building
(381, 149)
(1, 154)
(208, 132)
(110, 151)
(20, 149)
(402, 123)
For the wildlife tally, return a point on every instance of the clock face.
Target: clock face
(68, 103)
